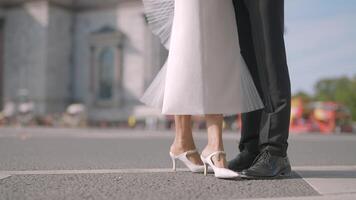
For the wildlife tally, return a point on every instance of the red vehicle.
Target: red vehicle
(324, 117)
(331, 117)
(300, 120)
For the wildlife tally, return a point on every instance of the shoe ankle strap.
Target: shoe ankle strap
(216, 153)
(191, 152)
(186, 153)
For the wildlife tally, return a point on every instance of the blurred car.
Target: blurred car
(324, 117)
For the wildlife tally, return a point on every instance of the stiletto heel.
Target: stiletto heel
(173, 161)
(183, 157)
(218, 172)
(205, 169)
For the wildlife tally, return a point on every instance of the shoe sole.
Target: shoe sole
(285, 173)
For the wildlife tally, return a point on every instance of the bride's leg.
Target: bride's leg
(215, 143)
(183, 140)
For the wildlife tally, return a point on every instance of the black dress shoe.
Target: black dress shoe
(268, 166)
(242, 161)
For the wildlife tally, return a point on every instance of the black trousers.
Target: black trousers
(261, 27)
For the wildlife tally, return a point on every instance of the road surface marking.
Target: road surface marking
(157, 170)
(93, 171)
(3, 176)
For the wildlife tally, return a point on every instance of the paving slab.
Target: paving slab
(330, 180)
(351, 196)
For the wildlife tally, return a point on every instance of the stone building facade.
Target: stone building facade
(99, 53)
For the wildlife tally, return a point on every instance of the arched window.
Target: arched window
(106, 73)
(106, 68)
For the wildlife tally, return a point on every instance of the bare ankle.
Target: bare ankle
(214, 147)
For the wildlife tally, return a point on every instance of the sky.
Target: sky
(320, 41)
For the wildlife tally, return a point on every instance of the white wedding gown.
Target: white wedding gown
(204, 72)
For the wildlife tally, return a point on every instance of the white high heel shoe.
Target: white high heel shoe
(218, 171)
(183, 157)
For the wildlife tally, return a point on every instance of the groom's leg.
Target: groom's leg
(250, 130)
(250, 121)
(267, 25)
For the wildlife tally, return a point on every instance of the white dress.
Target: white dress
(204, 72)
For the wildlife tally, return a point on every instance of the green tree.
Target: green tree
(342, 90)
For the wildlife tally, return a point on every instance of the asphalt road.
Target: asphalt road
(44, 163)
